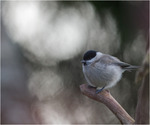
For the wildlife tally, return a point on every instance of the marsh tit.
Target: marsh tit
(103, 71)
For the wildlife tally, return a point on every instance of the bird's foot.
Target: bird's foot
(99, 90)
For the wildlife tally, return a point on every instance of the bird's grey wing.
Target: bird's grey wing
(122, 64)
(110, 60)
(105, 60)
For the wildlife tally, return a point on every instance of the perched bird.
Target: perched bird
(103, 71)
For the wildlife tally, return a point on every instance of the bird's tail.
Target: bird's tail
(129, 68)
(126, 66)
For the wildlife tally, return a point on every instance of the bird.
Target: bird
(103, 71)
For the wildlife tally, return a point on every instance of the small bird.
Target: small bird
(103, 71)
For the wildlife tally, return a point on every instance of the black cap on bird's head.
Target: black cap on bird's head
(89, 55)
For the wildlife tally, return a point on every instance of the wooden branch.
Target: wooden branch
(106, 98)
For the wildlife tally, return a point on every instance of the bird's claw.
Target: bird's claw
(99, 90)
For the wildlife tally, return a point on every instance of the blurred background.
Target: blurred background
(42, 45)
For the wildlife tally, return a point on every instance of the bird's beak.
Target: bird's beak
(82, 61)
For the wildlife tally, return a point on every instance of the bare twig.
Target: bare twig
(106, 98)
